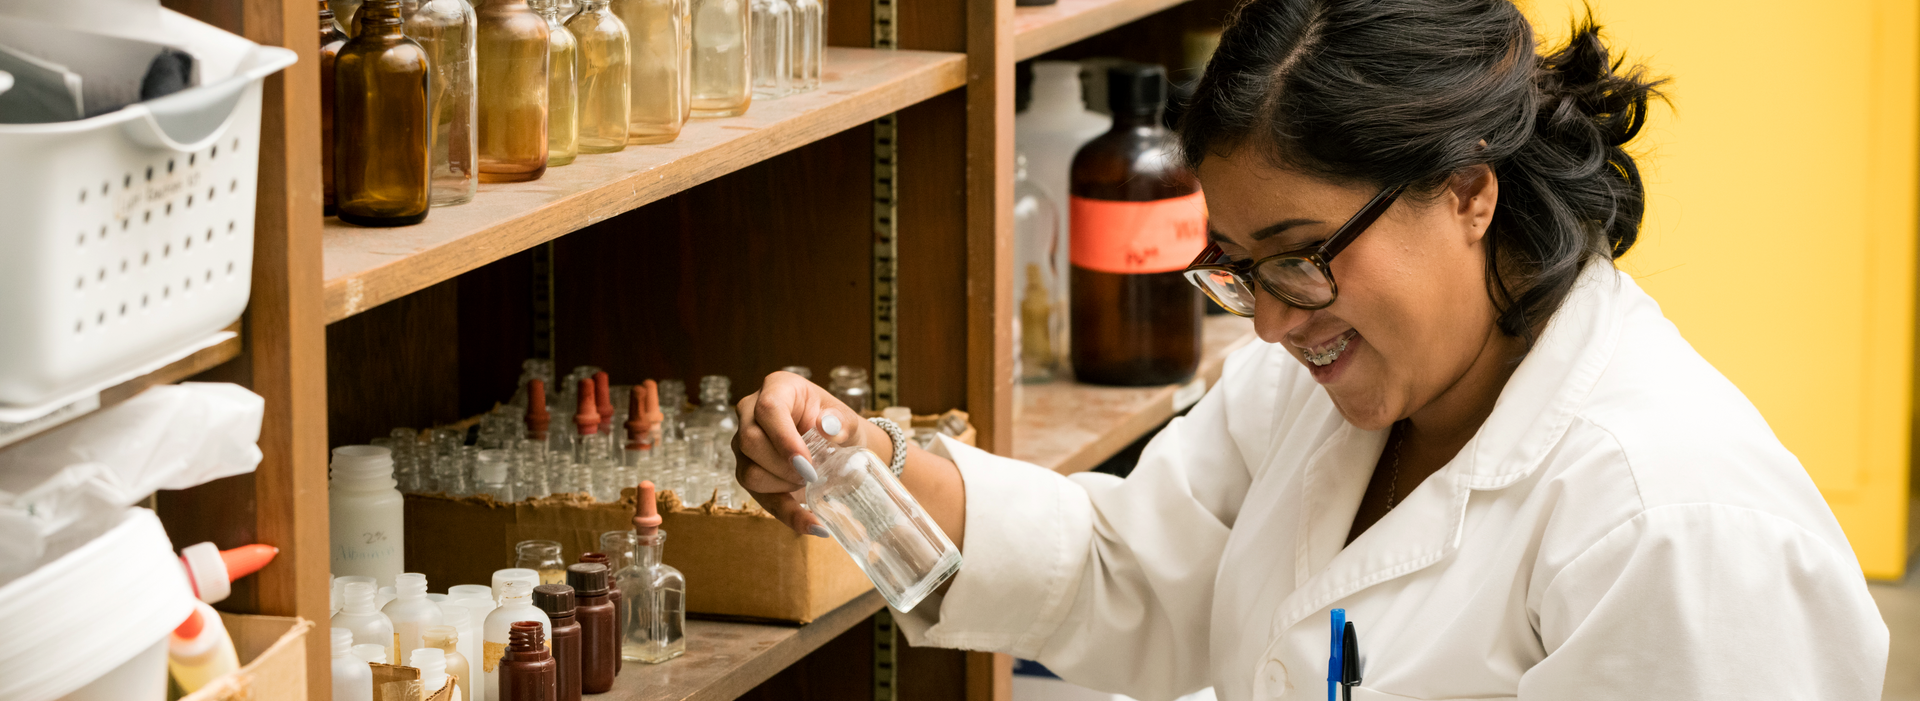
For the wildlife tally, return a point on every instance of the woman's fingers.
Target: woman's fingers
(787, 508)
(771, 421)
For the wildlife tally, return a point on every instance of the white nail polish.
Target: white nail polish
(805, 468)
(830, 425)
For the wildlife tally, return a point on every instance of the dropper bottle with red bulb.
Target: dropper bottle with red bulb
(531, 455)
(586, 422)
(654, 628)
(639, 437)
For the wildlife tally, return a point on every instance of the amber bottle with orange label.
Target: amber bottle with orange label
(1137, 219)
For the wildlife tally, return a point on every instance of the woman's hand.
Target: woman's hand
(777, 469)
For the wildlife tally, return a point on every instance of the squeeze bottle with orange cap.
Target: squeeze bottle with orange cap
(199, 650)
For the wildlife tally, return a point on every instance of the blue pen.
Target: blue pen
(1337, 661)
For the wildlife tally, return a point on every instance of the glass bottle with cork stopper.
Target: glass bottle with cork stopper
(655, 629)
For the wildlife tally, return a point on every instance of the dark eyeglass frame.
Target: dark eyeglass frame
(1321, 256)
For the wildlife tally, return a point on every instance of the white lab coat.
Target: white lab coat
(1624, 526)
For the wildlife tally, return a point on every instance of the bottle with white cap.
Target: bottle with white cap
(352, 678)
(432, 663)
(516, 604)
(366, 524)
(411, 613)
(369, 625)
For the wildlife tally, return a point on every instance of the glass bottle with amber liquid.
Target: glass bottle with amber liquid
(722, 73)
(446, 28)
(659, 68)
(563, 89)
(513, 92)
(332, 37)
(1137, 219)
(381, 131)
(604, 78)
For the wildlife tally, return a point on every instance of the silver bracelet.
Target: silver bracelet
(899, 443)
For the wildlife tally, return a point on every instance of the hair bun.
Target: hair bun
(1578, 83)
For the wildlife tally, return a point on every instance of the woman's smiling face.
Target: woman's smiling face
(1413, 313)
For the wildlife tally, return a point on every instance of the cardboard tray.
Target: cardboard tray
(273, 656)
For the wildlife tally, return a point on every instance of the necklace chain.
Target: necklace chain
(1393, 473)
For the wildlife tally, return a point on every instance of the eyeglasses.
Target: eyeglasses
(1301, 277)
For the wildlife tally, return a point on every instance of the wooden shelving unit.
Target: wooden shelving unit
(1038, 30)
(725, 660)
(1070, 427)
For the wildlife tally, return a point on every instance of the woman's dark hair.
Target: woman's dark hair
(1390, 92)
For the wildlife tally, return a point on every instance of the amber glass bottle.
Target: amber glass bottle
(1137, 220)
(513, 92)
(563, 88)
(381, 135)
(660, 66)
(602, 77)
(331, 38)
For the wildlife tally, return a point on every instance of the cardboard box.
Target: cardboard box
(397, 683)
(273, 657)
(738, 563)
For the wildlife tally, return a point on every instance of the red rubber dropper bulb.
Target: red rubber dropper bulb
(587, 416)
(637, 418)
(603, 396)
(538, 418)
(646, 511)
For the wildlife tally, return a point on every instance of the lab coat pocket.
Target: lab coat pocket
(1361, 693)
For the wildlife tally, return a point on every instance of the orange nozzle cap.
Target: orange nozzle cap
(646, 511)
(538, 418)
(247, 559)
(190, 628)
(637, 418)
(654, 415)
(603, 398)
(587, 416)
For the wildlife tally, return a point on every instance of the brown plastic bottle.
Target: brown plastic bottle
(527, 672)
(331, 39)
(1137, 219)
(613, 592)
(381, 134)
(599, 630)
(557, 601)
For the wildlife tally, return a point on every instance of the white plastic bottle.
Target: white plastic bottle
(200, 651)
(516, 604)
(352, 678)
(368, 533)
(358, 614)
(1054, 127)
(432, 663)
(476, 601)
(371, 653)
(411, 613)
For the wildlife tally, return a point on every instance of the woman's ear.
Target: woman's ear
(1475, 193)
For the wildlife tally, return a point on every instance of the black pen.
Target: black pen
(1350, 666)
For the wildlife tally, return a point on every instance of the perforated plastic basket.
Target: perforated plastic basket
(129, 236)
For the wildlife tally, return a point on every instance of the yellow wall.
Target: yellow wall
(1780, 232)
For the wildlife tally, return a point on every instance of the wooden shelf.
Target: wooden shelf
(726, 660)
(200, 361)
(365, 268)
(1070, 427)
(1037, 30)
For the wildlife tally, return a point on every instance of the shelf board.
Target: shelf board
(200, 361)
(1070, 427)
(365, 268)
(1037, 30)
(725, 660)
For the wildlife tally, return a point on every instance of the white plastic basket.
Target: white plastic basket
(129, 236)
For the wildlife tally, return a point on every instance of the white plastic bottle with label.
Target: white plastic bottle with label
(411, 613)
(352, 678)
(516, 604)
(1054, 127)
(365, 510)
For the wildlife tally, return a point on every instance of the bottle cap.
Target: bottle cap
(587, 578)
(515, 589)
(598, 559)
(358, 462)
(603, 399)
(555, 599)
(646, 511)
(1136, 88)
(512, 574)
(587, 416)
(538, 419)
(211, 570)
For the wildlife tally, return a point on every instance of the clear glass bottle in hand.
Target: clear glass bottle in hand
(880, 525)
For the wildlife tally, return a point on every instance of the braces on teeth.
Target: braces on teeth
(1332, 352)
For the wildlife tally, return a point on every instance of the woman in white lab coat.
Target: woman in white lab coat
(1463, 427)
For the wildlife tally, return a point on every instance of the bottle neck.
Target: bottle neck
(1138, 120)
(647, 549)
(379, 17)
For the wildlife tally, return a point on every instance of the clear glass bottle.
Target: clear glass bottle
(1040, 331)
(673, 404)
(695, 483)
(605, 97)
(492, 471)
(803, 371)
(513, 92)
(772, 52)
(446, 29)
(1054, 126)
(655, 626)
(542, 556)
(659, 66)
(809, 46)
(849, 385)
(722, 74)
(332, 37)
(381, 133)
(563, 87)
(717, 412)
(880, 525)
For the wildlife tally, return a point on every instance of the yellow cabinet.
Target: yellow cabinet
(1780, 230)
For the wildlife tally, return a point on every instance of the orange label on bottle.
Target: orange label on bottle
(1138, 237)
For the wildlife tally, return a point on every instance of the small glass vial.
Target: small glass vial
(849, 385)
(696, 484)
(604, 77)
(513, 92)
(716, 411)
(492, 469)
(880, 525)
(365, 514)
(673, 405)
(772, 52)
(332, 37)
(563, 88)
(541, 556)
(660, 67)
(803, 371)
(381, 136)
(655, 627)
(446, 29)
(1040, 331)
(809, 46)
(722, 76)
